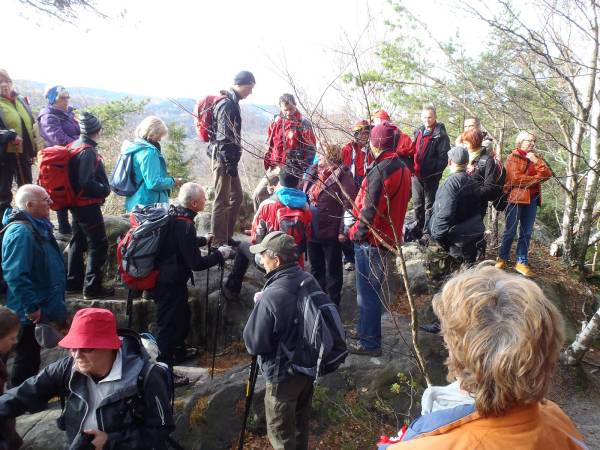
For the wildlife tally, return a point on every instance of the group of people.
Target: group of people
(331, 206)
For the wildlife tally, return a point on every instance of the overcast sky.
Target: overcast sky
(193, 48)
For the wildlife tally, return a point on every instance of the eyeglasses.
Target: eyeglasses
(45, 199)
(82, 350)
(66, 97)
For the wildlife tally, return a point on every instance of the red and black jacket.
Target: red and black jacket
(382, 201)
(284, 135)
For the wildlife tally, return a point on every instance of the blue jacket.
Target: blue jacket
(33, 268)
(150, 169)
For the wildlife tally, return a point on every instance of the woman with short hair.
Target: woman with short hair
(58, 127)
(149, 165)
(525, 171)
(503, 338)
(17, 140)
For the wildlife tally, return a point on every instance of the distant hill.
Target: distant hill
(256, 117)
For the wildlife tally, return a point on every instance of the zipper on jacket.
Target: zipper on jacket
(82, 399)
(161, 412)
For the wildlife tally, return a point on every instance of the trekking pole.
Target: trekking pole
(214, 353)
(129, 308)
(249, 393)
(206, 303)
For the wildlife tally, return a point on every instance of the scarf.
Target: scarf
(319, 185)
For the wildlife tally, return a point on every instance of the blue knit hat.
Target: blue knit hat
(243, 78)
(52, 93)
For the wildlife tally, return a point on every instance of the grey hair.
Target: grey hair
(28, 193)
(474, 119)
(430, 108)
(287, 99)
(188, 193)
(522, 136)
(152, 128)
(285, 259)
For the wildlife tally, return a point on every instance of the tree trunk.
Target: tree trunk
(577, 350)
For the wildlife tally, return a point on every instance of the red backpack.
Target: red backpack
(296, 223)
(204, 116)
(54, 176)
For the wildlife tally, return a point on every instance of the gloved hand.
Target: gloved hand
(226, 251)
(257, 296)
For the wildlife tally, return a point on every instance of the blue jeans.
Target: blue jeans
(524, 216)
(370, 275)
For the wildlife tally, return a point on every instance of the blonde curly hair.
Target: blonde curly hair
(503, 337)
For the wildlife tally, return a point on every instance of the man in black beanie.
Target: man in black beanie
(89, 181)
(226, 150)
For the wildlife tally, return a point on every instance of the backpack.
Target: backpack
(54, 176)
(500, 197)
(122, 179)
(321, 340)
(293, 221)
(138, 248)
(204, 116)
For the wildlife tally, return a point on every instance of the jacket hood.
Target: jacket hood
(48, 109)
(291, 197)
(10, 215)
(135, 145)
(439, 130)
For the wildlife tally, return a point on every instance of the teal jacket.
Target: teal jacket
(33, 268)
(150, 170)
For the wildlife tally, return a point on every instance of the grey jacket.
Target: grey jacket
(143, 426)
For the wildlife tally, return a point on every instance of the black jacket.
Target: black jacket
(484, 173)
(435, 156)
(270, 332)
(114, 414)
(86, 171)
(180, 251)
(227, 123)
(456, 202)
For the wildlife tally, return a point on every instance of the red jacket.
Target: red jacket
(287, 134)
(353, 152)
(382, 201)
(265, 219)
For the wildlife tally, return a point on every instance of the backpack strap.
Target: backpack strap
(36, 234)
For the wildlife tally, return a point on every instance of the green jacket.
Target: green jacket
(16, 116)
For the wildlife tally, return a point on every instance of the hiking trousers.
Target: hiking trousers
(226, 207)
(287, 409)
(327, 267)
(13, 167)
(89, 235)
(27, 356)
(172, 320)
(423, 197)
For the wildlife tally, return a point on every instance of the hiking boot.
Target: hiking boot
(433, 328)
(500, 263)
(524, 270)
(349, 266)
(233, 242)
(357, 349)
(98, 293)
(180, 380)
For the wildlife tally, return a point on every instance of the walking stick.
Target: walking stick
(129, 308)
(214, 353)
(206, 303)
(249, 393)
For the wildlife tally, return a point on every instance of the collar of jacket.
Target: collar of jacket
(43, 226)
(517, 152)
(182, 211)
(386, 154)
(275, 273)
(233, 95)
(83, 139)
(437, 131)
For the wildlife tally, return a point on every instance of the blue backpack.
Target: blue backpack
(122, 179)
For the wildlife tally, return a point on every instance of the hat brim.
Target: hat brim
(102, 342)
(258, 248)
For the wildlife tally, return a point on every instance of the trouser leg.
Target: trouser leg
(240, 266)
(316, 256)
(172, 320)
(418, 199)
(91, 229)
(64, 227)
(510, 229)
(335, 271)
(27, 356)
(430, 187)
(236, 196)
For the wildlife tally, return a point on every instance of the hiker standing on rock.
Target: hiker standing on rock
(380, 207)
(271, 329)
(113, 397)
(149, 165)
(226, 151)
(291, 141)
(525, 172)
(34, 272)
(58, 127)
(179, 255)
(90, 183)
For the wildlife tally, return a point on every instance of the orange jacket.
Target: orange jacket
(532, 427)
(518, 181)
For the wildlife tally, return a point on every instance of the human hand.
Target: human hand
(18, 140)
(35, 316)
(342, 237)
(532, 157)
(270, 189)
(100, 438)
(178, 182)
(258, 296)
(226, 251)
(209, 240)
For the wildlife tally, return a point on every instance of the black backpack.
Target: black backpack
(499, 200)
(321, 339)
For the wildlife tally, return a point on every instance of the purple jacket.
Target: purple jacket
(58, 127)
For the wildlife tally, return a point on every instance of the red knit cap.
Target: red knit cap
(381, 114)
(92, 328)
(382, 136)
